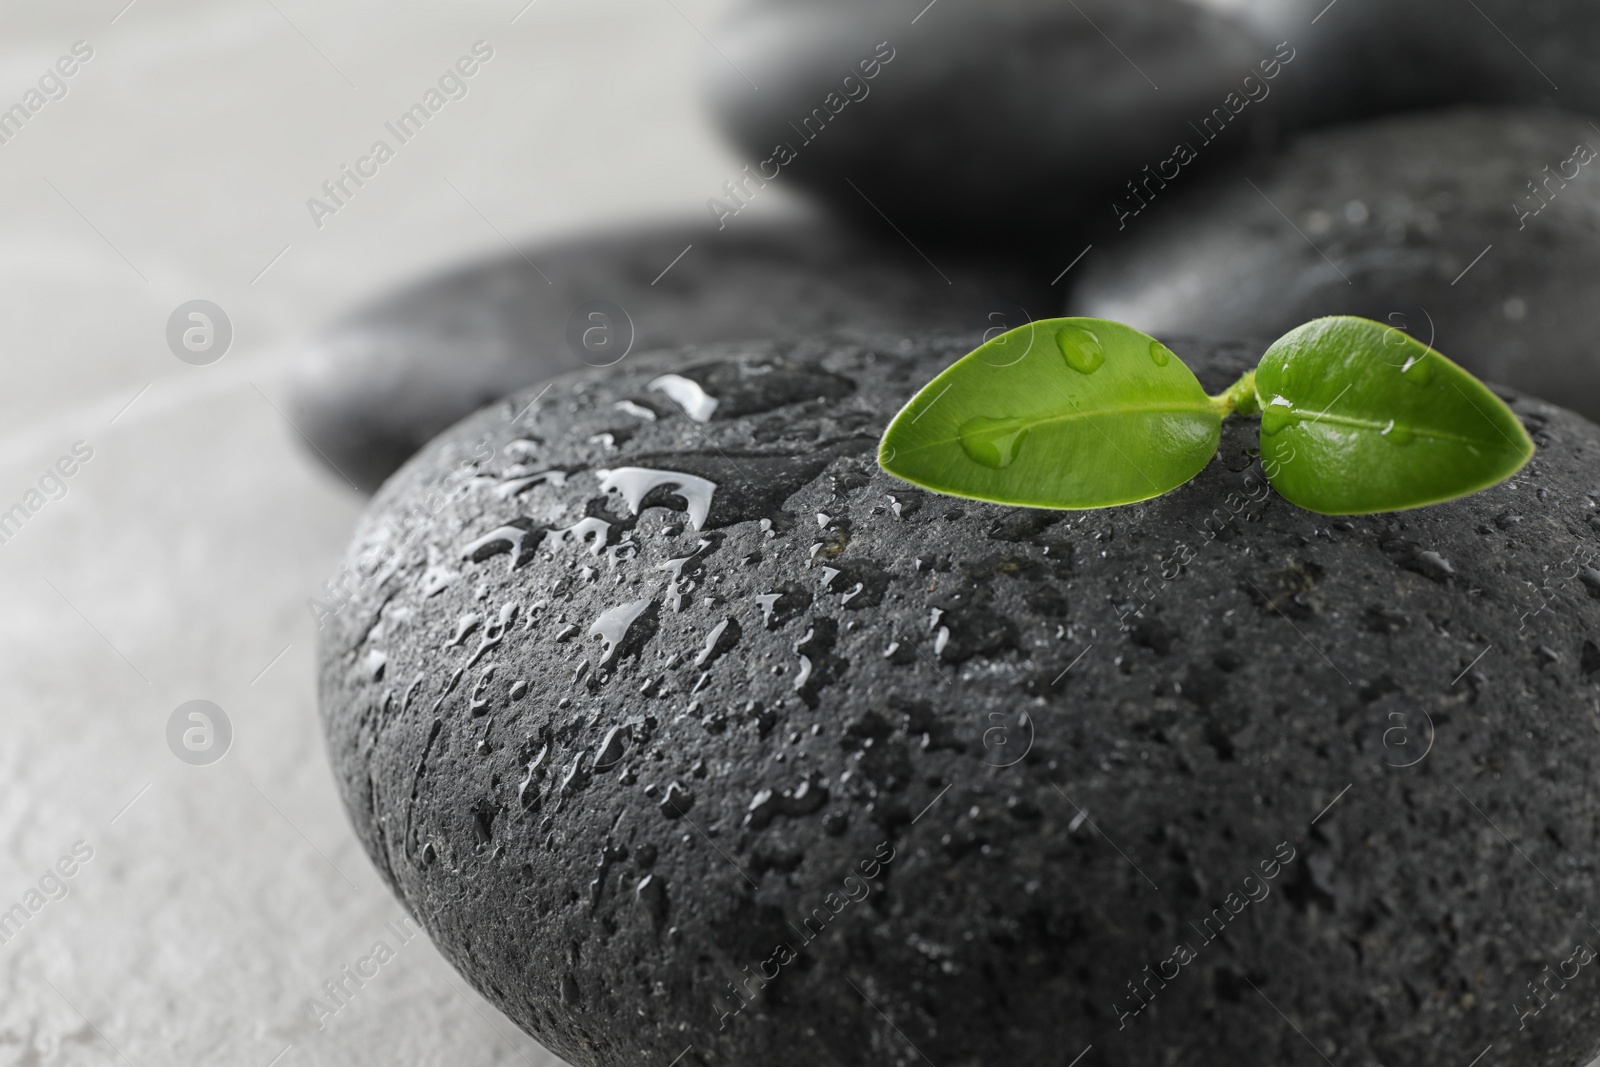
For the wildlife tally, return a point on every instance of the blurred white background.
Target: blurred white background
(178, 564)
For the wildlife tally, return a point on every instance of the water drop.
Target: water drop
(495, 634)
(1277, 415)
(464, 626)
(636, 483)
(1082, 349)
(1160, 353)
(688, 395)
(612, 626)
(993, 442)
(711, 643)
(595, 531)
(941, 641)
(637, 410)
(804, 674)
(510, 488)
(513, 539)
(1418, 370)
(767, 602)
(853, 593)
(828, 575)
(1400, 435)
(610, 750)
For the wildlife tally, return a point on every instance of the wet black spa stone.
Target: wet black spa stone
(379, 384)
(691, 736)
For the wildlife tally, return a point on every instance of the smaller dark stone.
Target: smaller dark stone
(375, 386)
(1429, 223)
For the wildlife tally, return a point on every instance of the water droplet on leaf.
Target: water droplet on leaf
(1277, 415)
(1160, 353)
(1418, 370)
(1082, 349)
(993, 442)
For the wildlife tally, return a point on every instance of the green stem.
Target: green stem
(1239, 398)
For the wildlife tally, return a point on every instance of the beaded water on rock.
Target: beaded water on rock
(704, 739)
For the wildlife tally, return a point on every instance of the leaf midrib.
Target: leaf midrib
(1198, 407)
(1377, 427)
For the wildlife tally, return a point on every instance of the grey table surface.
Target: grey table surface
(218, 900)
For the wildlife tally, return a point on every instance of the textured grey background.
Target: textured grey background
(179, 562)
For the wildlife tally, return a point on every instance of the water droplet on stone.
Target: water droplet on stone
(711, 643)
(767, 602)
(512, 539)
(594, 531)
(464, 626)
(512, 487)
(992, 442)
(688, 395)
(610, 750)
(636, 483)
(804, 675)
(1081, 348)
(637, 410)
(1160, 353)
(612, 626)
(941, 641)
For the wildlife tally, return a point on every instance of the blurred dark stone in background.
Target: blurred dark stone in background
(993, 122)
(375, 387)
(1369, 57)
(1398, 210)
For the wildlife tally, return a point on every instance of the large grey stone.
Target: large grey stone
(1017, 120)
(375, 387)
(1416, 220)
(625, 753)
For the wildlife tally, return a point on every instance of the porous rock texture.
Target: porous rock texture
(786, 763)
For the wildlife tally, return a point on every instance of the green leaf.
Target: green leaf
(1358, 417)
(1060, 413)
